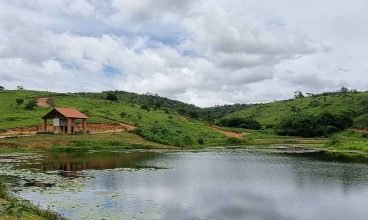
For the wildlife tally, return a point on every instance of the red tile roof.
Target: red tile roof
(68, 113)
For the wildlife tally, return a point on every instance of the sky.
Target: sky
(203, 52)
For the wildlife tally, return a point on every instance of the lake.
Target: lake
(187, 185)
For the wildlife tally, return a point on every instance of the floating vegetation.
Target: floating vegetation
(61, 182)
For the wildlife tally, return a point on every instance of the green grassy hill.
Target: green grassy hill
(270, 114)
(162, 126)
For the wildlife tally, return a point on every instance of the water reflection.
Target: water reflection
(206, 185)
(72, 162)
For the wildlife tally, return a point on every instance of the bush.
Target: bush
(314, 125)
(334, 141)
(31, 105)
(233, 140)
(249, 140)
(123, 114)
(247, 123)
(187, 141)
(160, 134)
(19, 101)
(200, 141)
(145, 107)
(112, 97)
(361, 122)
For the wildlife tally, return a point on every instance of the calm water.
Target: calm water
(207, 185)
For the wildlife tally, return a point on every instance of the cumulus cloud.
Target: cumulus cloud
(195, 51)
(148, 10)
(230, 41)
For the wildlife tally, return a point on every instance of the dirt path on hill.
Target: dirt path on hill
(43, 102)
(228, 133)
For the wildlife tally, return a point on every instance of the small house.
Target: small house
(63, 120)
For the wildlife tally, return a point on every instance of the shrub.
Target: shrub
(112, 97)
(19, 101)
(145, 107)
(233, 140)
(361, 121)
(160, 134)
(247, 123)
(123, 114)
(249, 140)
(200, 141)
(333, 141)
(187, 141)
(31, 104)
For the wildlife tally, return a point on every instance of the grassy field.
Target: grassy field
(118, 140)
(13, 116)
(270, 114)
(159, 126)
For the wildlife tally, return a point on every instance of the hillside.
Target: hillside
(354, 104)
(158, 125)
(153, 101)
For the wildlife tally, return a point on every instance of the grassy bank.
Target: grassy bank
(13, 208)
(348, 141)
(85, 141)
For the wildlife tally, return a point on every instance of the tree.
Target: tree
(19, 101)
(344, 90)
(31, 104)
(112, 97)
(314, 125)
(247, 123)
(2, 88)
(145, 107)
(298, 94)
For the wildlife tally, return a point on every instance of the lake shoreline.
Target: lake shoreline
(14, 207)
(127, 141)
(7, 200)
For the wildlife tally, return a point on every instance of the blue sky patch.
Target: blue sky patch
(109, 70)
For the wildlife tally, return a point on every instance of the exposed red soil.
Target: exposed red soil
(43, 102)
(228, 133)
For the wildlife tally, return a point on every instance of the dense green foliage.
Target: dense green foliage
(112, 97)
(314, 125)
(31, 104)
(344, 102)
(176, 123)
(19, 101)
(361, 122)
(246, 123)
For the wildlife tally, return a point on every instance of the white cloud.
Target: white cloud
(203, 52)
